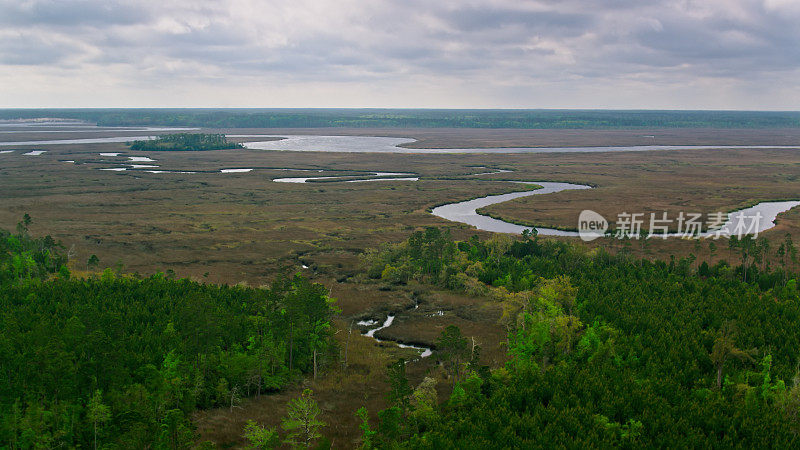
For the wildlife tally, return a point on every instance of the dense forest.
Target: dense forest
(116, 360)
(185, 142)
(413, 118)
(604, 350)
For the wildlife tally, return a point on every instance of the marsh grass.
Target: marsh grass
(228, 228)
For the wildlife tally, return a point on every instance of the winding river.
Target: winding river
(752, 220)
(380, 144)
(466, 211)
(376, 144)
(462, 212)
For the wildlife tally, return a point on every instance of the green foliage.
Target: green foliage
(391, 424)
(92, 262)
(399, 389)
(260, 437)
(25, 257)
(185, 142)
(302, 423)
(97, 412)
(425, 256)
(176, 431)
(609, 351)
(367, 433)
(451, 347)
(628, 431)
(724, 349)
(132, 358)
(424, 401)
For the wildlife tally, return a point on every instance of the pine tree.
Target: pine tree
(260, 437)
(97, 412)
(302, 422)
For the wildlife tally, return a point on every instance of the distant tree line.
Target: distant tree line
(423, 118)
(185, 142)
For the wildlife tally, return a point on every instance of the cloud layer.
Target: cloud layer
(739, 54)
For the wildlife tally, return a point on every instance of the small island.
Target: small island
(186, 142)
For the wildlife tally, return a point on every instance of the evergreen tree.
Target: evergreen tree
(261, 437)
(302, 423)
(97, 412)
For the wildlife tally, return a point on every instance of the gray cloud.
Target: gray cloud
(68, 13)
(32, 50)
(520, 52)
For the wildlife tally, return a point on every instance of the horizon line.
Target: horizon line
(387, 108)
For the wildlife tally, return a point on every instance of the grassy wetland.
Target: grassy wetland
(242, 228)
(492, 224)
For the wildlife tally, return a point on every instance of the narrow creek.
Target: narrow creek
(347, 178)
(425, 351)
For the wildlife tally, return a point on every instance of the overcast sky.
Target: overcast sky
(652, 54)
